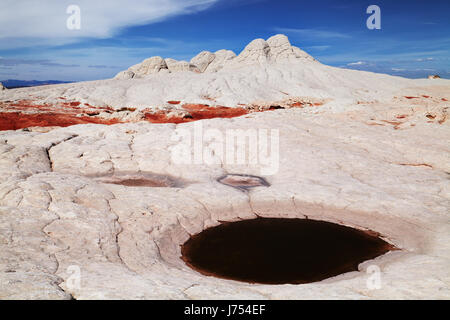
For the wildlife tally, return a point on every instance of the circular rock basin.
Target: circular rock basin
(280, 251)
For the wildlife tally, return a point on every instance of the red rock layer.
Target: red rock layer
(18, 120)
(162, 117)
(24, 114)
(196, 112)
(200, 111)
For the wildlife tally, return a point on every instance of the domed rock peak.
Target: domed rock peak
(276, 49)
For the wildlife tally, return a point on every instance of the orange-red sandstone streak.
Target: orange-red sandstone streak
(24, 114)
(18, 120)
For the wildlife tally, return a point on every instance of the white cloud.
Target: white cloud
(47, 19)
(359, 63)
(424, 59)
(319, 48)
(313, 33)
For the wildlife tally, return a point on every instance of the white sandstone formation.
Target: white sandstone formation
(2, 87)
(221, 58)
(60, 214)
(264, 73)
(281, 49)
(180, 66)
(124, 75)
(203, 60)
(149, 66)
(275, 49)
(372, 154)
(256, 51)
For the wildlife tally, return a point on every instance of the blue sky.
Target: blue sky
(414, 40)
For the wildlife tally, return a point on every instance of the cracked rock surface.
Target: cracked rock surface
(94, 211)
(59, 210)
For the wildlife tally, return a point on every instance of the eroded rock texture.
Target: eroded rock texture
(276, 49)
(60, 211)
(101, 207)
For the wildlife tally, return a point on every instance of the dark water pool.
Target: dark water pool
(280, 251)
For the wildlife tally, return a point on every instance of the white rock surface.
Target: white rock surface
(333, 166)
(248, 84)
(222, 58)
(124, 75)
(276, 49)
(180, 66)
(300, 54)
(203, 60)
(2, 87)
(231, 81)
(256, 51)
(149, 66)
(281, 49)
(373, 156)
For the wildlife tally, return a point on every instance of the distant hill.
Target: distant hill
(13, 83)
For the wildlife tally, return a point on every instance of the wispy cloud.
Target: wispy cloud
(102, 67)
(424, 59)
(313, 33)
(412, 68)
(47, 63)
(341, 6)
(359, 63)
(47, 20)
(318, 48)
